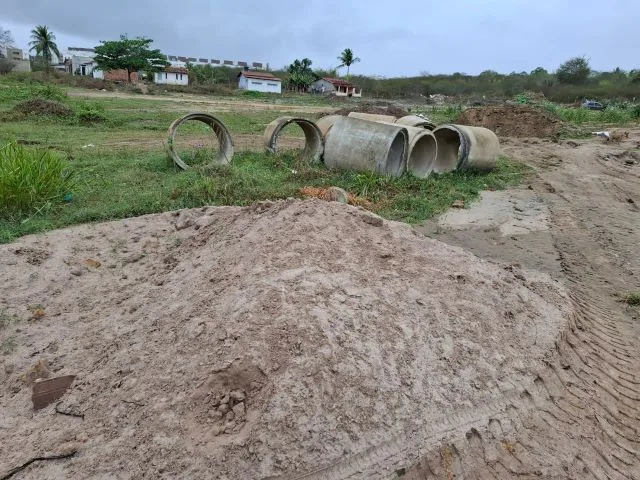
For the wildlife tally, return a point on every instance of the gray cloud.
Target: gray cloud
(392, 38)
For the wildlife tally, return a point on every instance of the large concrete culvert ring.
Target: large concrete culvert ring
(325, 123)
(313, 142)
(466, 148)
(360, 145)
(416, 121)
(225, 140)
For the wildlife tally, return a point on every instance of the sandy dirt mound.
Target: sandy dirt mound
(374, 108)
(513, 121)
(43, 107)
(253, 342)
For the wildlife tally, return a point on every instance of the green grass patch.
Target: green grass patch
(633, 299)
(31, 180)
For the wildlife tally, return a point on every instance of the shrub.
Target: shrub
(40, 106)
(31, 179)
(90, 112)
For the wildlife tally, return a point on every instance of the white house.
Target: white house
(259, 82)
(336, 86)
(172, 76)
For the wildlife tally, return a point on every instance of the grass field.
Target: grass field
(120, 168)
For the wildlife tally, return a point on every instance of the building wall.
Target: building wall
(260, 85)
(120, 76)
(170, 78)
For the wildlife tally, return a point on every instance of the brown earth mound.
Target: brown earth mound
(376, 109)
(513, 121)
(43, 107)
(240, 343)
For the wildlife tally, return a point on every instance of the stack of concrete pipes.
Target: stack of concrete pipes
(390, 145)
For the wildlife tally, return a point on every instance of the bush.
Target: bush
(41, 106)
(90, 112)
(31, 179)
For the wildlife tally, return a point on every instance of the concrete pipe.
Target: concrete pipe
(416, 121)
(373, 117)
(313, 144)
(325, 123)
(422, 151)
(466, 148)
(354, 144)
(225, 140)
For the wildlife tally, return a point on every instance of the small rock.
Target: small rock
(222, 334)
(629, 161)
(237, 395)
(239, 410)
(215, 415)
(225, 399)
(337, 194)
(223, 408)
(230, 416)
(184, 220)
(372, 219)
(572, 144)
(458, 204)
(217, 429)
(229, 427)
(204, 221)
(82, 437)
(77, 272)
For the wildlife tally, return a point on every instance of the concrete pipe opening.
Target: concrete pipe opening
(313, 142)
(423, 152)
(372, 117)
(354, 144)
(224, 149)
(451, 147)
(416, 121)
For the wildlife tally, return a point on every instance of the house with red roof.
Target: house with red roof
(259, 82)
(336, 86)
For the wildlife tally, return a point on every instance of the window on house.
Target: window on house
(272, 84)
(165, 76)
(256, 83)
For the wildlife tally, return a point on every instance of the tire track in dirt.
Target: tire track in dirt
(586, 417)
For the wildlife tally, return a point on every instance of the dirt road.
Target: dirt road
(582, 419)
(219, 104)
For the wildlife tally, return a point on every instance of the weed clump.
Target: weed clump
(30, 179)
(633, 299)
(45, 107)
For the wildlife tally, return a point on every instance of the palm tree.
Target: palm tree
(347, 59)
(43, 41)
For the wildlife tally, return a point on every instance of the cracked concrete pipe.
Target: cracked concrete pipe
(225, 140)
(313, 144)
(466, 148)
(415, 121)
(372, 117)
(422, 151)
(354, 144)
(325, 123)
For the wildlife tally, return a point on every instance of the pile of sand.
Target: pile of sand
(513, 120)
(252, 342)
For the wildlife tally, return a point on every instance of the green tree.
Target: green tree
(43, 41)
(347, 58)
(575, 71)
(300, 74)
(130, 54)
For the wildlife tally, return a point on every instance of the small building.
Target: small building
(335, 86)
(119, 75)
(172, 76)
(81, 61)
(16, 57)
(259, 82)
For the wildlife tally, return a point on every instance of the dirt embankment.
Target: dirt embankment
(513, 120)
(260, 341)
(380, 108)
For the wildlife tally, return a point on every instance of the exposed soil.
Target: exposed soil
(513, 120)
(315, 340)
(259, 341)
(43, 107)
(374, 108)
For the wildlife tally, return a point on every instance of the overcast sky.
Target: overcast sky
(393, 38)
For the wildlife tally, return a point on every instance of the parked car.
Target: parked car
(593, 105)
